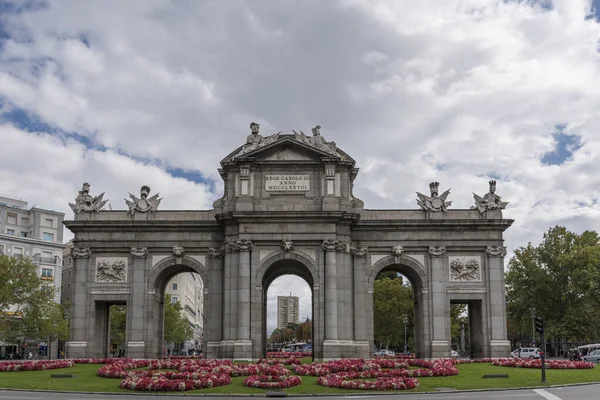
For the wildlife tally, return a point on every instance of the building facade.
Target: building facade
(288, 308)
(187, 289)
(288, 207)
(35, 233)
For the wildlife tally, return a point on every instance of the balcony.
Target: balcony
(45, 260)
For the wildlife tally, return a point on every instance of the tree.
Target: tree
(177, 328)
(20, 289)
(118, 324)
(560, 280)
(391, 299)
(304, 331)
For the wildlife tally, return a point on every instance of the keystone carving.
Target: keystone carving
(287, 246)
(358, 251)
(330, 245)
(496, 251)
(139, 252)
(178, 251)
(397, 250)
(84, 202)
(80, 252)
(437, 251)
(489, 201)
(216, 252)
(434, 202)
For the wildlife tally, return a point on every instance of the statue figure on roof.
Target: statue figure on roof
(317, 141)
(85, 202)
(143, 204)
(434, 202)
(255, 140)
(489, 201)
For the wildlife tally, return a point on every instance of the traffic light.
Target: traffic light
(539, 324)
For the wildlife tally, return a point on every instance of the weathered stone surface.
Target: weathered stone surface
(320, 232)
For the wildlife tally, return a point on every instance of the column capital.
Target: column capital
(81, 252)
(496, 251)
(437, 251)
(216, 252)
(243, 245)
(358, 251)
(139, 252)
(343, 246)
(330, 245)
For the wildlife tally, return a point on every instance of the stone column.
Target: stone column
(331, 343)
(499, 345)
(136, 307)
(213, 333)
(243, 344)
(80, 318)
(230, 299)
(361, 340)
(440, 316)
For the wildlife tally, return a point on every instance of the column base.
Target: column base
(332, 349)
(227, 349)
(77, 349)
(242, 350)
(359, 349)
(136, 349)
(440, 349)
(499, 348)
(213, 350)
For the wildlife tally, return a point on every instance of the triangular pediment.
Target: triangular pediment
(285, 149)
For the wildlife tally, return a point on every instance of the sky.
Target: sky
(157, 92)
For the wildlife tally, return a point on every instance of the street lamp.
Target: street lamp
(405, 320)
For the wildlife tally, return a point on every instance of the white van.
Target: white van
(526, 352)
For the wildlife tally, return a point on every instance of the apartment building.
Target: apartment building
(35, 233)
(288, 308)
(188, 289)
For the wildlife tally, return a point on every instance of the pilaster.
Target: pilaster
(440, 343)
(80, 319)
(499, 345)
(136, 308)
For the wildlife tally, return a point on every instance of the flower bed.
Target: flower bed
(162, 384)
(284, 361)
(289, 354)
(14, 366)
(347, 380)
(550, 364)
(272, 381)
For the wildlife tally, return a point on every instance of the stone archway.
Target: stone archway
(161, 273)
(416, 274)
(288, 263)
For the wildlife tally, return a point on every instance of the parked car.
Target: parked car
(592, 356)
(526, 352)
(383, 353)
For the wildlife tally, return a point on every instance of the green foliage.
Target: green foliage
(118, 324)
(22, 297)
(177, 327)
(392, 299)
(560, 278)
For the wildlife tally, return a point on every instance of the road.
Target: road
(583, 392)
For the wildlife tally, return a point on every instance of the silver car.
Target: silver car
(592, 356)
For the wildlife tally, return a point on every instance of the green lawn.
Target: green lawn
(470, 377)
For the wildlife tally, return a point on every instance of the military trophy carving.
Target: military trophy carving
(434, 202)
(465, 270)
(109, 272)
(143, 204)
(489, 201)
(84, 202)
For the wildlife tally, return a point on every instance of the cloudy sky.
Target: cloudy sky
(121, 94)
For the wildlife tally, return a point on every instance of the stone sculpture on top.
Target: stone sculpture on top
(143, 204)
(489, 201)
(85, 202)
(434, 202)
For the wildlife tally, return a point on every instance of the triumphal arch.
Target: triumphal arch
(288, 208)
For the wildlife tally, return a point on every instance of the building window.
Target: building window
(1, 249)
(68, 287)
(17, 251)
(10, 231)
(23, 234)
(48, 237)
(25, 221)
(69, 271)
(49, 223)
(174, 299)
(47, 272)
(11, 218)
(174, 286)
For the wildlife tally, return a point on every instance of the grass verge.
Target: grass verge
(470, 377)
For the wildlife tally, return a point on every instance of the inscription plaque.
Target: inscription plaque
(287, 183)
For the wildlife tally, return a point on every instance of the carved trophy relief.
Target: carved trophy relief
(111, 270)
(434, 202)
(84, 202)
(464, 268)
(397, 250)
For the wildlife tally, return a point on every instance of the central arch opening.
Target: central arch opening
(288, 307)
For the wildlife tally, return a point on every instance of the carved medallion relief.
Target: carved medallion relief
(111, 270)
(465, 268)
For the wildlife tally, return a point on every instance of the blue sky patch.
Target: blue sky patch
(564, 148)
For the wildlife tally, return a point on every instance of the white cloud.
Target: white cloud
(451, 91)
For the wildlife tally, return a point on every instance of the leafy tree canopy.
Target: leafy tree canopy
(391, 300)
(177, 327)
